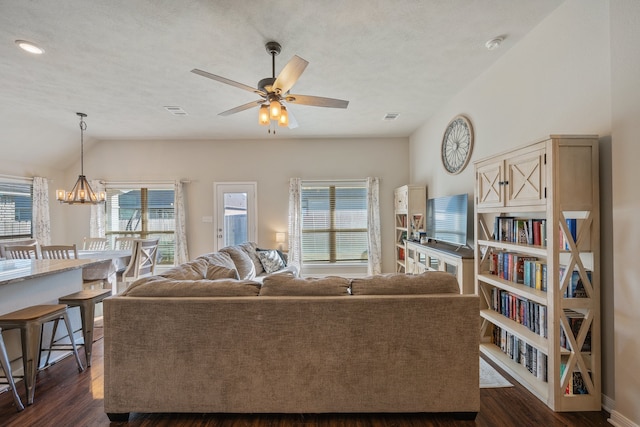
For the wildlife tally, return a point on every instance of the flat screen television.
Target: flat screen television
(446, 219)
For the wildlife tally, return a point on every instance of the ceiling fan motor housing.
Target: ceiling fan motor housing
(266, 84)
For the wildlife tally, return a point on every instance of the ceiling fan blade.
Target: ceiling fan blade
(228, 81)
(289, 75)
(293, 123)
(316, 101)
(242, 107)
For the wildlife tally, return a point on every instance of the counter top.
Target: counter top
(16, 270)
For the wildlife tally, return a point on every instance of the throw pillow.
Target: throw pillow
(271, 260)
(250, 249)
(289, 285)
(430, 282)
(244, 265)
(219, 266)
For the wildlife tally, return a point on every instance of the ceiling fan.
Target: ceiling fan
(274, 91)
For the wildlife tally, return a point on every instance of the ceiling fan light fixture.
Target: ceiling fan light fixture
(275, 108)
(274, 92)
(283, 121)
(263, 115)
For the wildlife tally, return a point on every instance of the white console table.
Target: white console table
(442, 257)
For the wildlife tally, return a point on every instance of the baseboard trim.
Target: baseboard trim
(619, 420)
(608, 403)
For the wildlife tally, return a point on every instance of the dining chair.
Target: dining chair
(26, 242)
(22, 252)
(95, 243)
(143, 261)
(124, 243)
(59, 251)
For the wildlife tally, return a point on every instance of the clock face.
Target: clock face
(457, 144)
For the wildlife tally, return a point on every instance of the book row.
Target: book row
(576, 384)
(526, 231)
(533, 231)
(575, 287)
(532, 272)
(520, 352)
(535, 361)
(525, 270)
(575, 321)
(527, 313)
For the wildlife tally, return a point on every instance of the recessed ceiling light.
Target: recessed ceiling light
(494, 43)
(30, 47)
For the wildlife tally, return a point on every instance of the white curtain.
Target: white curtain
(97, 224)
(295, 222)
(373, 226)
(40, 208)
(181, 254)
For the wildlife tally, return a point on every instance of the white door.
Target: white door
(235, 207)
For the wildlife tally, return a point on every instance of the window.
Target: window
(334, 222)
(15, 209)
(145, 213)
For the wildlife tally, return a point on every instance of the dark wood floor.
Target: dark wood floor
(65, 397)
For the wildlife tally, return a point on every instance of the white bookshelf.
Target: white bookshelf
(410, 205)
(554, 180)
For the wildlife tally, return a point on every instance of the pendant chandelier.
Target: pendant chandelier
(81, 192)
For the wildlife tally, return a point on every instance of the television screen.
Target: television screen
(447, 219)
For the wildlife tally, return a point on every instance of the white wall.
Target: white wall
(55, 178)
(625, 66)
(557, 80)
(269, 161)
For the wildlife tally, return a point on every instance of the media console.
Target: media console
(439, 256)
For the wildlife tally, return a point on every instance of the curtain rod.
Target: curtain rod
(334, 180)
(183, 181)
(20, 178)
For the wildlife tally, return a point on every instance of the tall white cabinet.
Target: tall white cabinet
(410, 206)
(537, 265)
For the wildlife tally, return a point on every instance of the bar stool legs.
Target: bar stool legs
(30, 321)
(86, 301)
(6, 367)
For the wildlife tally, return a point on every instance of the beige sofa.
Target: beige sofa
(389, 343)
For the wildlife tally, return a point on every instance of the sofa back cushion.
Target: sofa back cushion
(430, 282)
(219, 266)
(157, 286)
(250, 248)
(245, 266)
(192, 270)
(289, 285)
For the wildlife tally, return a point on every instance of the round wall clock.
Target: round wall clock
(457, 144)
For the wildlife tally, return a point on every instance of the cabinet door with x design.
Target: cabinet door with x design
(509, 180)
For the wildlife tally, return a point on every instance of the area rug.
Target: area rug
(490, 378)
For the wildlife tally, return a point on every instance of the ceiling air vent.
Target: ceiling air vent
(391, 116)
(176, 111)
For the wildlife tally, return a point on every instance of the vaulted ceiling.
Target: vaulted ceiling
(122, 61)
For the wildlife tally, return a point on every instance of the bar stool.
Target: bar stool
(6, 367)
(86, 301)
(30, 321)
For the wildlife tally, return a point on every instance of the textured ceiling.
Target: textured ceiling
(122, 61)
